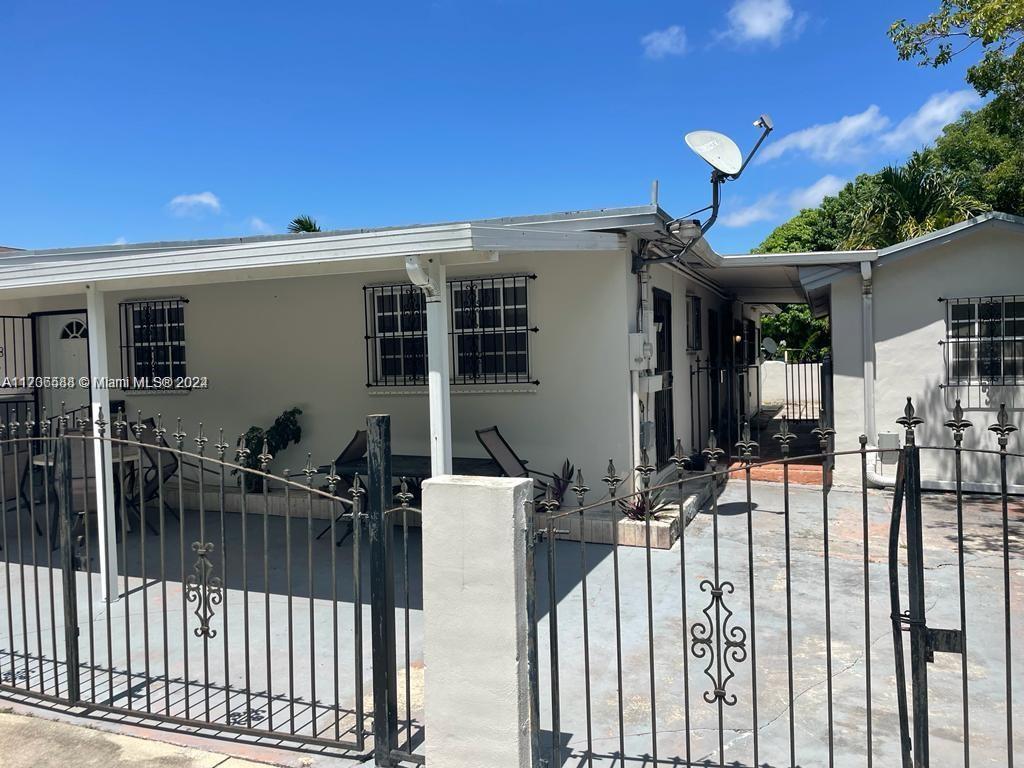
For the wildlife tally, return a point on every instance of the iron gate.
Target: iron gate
(216, 597)
(773, 631)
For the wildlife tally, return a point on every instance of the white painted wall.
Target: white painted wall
(909, 323)
(773, 381)
(268, 345)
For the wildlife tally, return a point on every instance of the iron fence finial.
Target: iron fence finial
(611, 478)
(220, 445)
(580, 489)
(784, 436)
(200, 440)
(309, 470)
(138, 427)
(119, 424)
(179, 435)
(101, 423)
(550, 503)
(909, 421)
(404, 496)
(265, 457)
(1003, 428)
(333, 478)
(823, 432)
(745, 445)
(958, 424)
(242, 452)
(713, 453)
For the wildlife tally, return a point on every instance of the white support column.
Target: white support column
(429, 274)
(476, 622)
(99, 397)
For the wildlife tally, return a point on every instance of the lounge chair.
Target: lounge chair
(508, 460)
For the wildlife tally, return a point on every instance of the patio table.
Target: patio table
(417, 467)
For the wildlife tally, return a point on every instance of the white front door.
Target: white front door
(63, 354)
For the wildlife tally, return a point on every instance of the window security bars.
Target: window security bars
(693, 325)
(17, 353)
(488, 332)
(152, 341)
(984, 342)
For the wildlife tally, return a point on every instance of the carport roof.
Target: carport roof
(68, 270)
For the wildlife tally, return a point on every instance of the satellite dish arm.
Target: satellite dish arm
(717, 177)
(766, 126)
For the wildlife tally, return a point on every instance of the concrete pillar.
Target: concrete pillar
(476, 631)
(103, 488)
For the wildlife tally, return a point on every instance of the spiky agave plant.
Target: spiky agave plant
(643, 506)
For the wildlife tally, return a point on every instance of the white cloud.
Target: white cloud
(775, 205)
(660, 43)
(808, 197)
(121, 241)
(194, 204)
(763, 209)
(763, 21)
(853, 137)
(258, 225)
(842, 139)
(923, 126)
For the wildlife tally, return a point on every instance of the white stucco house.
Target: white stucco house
(551, 327)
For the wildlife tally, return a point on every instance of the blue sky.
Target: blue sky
(129, 121)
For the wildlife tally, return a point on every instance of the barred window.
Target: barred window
(985, 341)
(489, 332)
(693, 325)
(152, 341)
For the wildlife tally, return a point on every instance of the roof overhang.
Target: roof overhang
(69, 270)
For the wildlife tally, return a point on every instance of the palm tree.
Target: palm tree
(912, 200)
(303, 224)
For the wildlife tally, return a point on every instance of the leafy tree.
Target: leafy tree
(801, 333)
(998, 25)
(911, 200)
(826, 227)
(988, 150)
(303, 224)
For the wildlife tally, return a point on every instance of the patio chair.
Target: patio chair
(511, 465)
(162, 467)
(355, 449)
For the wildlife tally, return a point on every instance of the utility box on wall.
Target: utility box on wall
(888, 447)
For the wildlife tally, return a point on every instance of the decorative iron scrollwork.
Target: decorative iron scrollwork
(731, 642)
(204, 589)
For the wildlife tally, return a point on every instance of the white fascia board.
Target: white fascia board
(814, 258)
(522, 239)
(352, 252)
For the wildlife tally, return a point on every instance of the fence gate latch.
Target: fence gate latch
(943, 641)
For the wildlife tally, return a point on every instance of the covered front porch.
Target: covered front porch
(223, 336)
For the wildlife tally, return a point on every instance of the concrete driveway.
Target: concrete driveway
(688, 727)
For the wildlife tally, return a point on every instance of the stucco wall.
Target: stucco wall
(268, 345)
(909, 322)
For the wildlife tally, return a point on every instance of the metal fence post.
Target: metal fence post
(67, 568)
(919, 650)
(382, 590)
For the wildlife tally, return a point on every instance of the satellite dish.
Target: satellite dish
(717, 149)
(769, 345)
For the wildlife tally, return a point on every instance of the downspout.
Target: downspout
(867, 317)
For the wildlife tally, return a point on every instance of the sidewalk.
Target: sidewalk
(30, 742)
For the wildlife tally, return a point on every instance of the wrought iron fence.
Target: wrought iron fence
(206, 601)
(760, 636)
